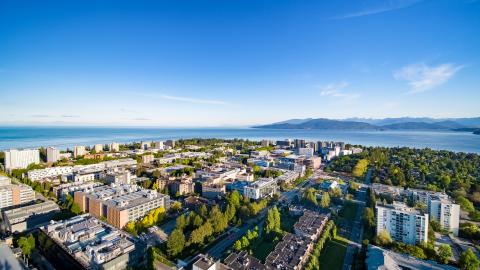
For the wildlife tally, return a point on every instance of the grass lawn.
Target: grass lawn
(262, 247)
(333, 253)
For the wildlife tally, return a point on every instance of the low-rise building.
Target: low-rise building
(14, 194)
(243, 261)
(119, 177)
(39, 174)
(27, 217)
(212, 191)
(260, 189)
(61, 191)
(379, 258)
(310, 224)
(204, 262)
(84, 242)
(147, 158)
(120, 204)
(181, 186)
(290, 254)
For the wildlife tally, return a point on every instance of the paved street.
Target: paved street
(356, 233)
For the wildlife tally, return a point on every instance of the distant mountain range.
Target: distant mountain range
(403, 123)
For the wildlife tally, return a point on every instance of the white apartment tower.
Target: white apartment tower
(53, 154)
(158, 145)
(404, 224)
(20, 159)
(98, 148)
(443, 210)
(79, 151)
(114, 147)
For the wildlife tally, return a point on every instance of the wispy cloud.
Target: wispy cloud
(187, 99)
(422, 77)
(381, 7)
(69, 116)
(141, 119)
(336, 90)
(41, 115)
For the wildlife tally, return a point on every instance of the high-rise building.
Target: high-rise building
(120, 204)
(170, 143)
(404, 224)
(98, 148)
(11, 194)
(298, 143)
(79, 151)
(443, 210)
(53, 154)
(158, 145)
(20, 159)
(145, 145)
(114, 147)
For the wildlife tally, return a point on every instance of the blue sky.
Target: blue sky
(234, 63)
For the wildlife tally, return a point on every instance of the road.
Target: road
(237, 232)
(356, 234)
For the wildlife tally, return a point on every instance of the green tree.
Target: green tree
(27, 244)
(237, 245)
(175, 243)
(325, 201)
(75, 209)
(361, 168)
(176, 206)
(369, 217)
(383, 238)
(444, 253)
(469, 261)
(273, 220)
(310, 196)
(181, 222)
(245, 242)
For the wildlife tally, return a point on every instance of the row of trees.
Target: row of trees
(328, 232)
(153, 217)
(244, 242)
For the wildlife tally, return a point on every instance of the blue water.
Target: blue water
(64, 137)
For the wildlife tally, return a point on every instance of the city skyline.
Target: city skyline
(240, 63)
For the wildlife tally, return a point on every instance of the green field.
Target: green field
(262, 247)
(333, 253)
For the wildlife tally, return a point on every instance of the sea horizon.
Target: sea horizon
(64, 137)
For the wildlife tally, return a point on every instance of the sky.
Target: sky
(236, 62)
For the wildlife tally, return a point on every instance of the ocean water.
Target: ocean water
(65, 137)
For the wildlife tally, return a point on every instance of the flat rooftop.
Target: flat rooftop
(89, 240)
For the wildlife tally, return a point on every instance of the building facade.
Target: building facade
(447, 213)
(260, 189)
(11, 194)
(404, 224)
(20, 159)
(120, 204)
(53, 154)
